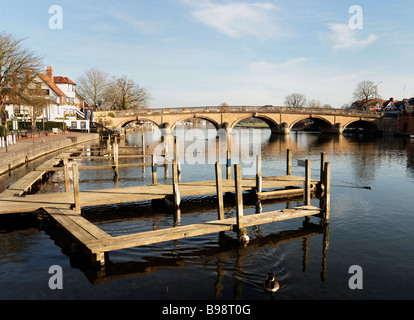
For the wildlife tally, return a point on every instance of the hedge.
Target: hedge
(49, 125)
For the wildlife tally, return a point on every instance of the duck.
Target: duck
(244, 238)
(271, 284)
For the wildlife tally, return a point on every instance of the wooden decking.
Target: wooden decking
(11, 203)
(64, 207)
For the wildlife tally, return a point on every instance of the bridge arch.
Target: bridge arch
(366, 125)
(324, 124)
(188, 117)
(123, 123)
(273, 125)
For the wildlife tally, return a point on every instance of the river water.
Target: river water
(369, 227)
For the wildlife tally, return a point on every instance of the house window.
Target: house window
(16, 110)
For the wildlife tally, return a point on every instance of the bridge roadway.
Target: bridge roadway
(279, 119)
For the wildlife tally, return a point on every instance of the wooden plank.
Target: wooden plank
(280, 193)
(198, 229)
(156, 236)
(279, 215)
(79, 227)
(24, 184)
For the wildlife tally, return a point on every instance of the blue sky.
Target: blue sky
(206, 52)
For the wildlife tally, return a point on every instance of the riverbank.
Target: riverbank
(26, 150)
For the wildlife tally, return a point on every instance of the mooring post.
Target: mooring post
(307, 186)
(239, 196)
(258, 174)
(143, 143)
(288, 162)
(228, 165)
(154, 170)
(115, 158)
(327, 193)
(219, 189)
(143, 152)
(66, 173)
(77, 207)
(177, 157)
(177, 197)
(323, 161)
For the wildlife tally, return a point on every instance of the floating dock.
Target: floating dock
(65, 207)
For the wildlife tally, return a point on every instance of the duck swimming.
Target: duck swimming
(271, 284)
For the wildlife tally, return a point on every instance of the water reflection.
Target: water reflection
(219, 257)
(219, 250)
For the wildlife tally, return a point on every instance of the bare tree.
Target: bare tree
(295, 100)
(91, 86)
(123, 93)
(365, 91)
(314, 103)
(32, 95)
(16, 62)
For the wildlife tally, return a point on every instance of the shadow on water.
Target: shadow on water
(222, 250)
(181, 256)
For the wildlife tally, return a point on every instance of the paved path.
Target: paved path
(24, 144)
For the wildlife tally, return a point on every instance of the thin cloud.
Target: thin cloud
(345, 38)
(127, 19)
(266, 67)
(237, 20)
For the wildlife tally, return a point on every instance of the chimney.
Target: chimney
(49, 73)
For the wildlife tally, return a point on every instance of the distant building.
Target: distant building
(379, 105)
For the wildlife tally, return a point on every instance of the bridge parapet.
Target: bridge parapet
(237, 109)
(279, 119)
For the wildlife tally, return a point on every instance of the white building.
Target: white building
(61, 92)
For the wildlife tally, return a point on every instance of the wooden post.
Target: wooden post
(115, 153)
(323, 160)
(177, 197)
(307, 186)
(177, 156)
(143, 152)
(154, 170)
(219, 188)
(327, 193)
(228, 165)
(288, 162)
(259, 174)
(239, 196)
(143, 143)
(66, 174)
(166, 168)
(77, 207)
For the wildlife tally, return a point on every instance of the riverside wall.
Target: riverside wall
(16, 158)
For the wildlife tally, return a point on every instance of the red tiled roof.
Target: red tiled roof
(51, 84)
(61, 79)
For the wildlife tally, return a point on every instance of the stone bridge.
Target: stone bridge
(279, 119)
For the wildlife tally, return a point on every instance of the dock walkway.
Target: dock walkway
(12, 203)
(65, 207)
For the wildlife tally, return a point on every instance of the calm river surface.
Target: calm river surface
(372, 229)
